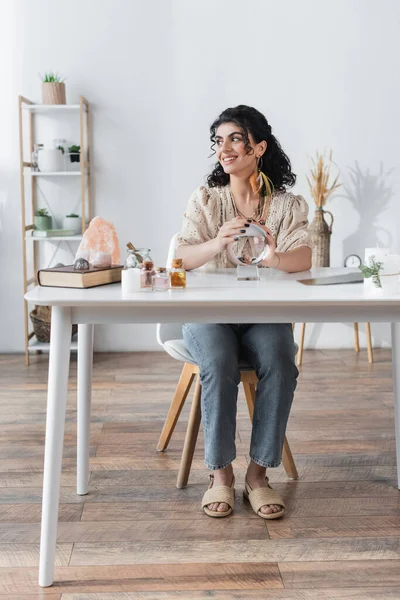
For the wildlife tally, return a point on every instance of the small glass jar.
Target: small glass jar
(137, 257)
(146, 276)
(177, 274)
(161, 280)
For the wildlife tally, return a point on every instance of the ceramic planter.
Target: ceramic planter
(73, 223)
(42, 223)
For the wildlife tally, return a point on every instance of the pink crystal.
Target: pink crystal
(100, 238)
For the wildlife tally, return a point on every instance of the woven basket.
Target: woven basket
(321, 238)
(41, 321)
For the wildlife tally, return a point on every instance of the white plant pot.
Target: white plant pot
(74, 223)
(50, 161)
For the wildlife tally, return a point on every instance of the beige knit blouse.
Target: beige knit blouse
(210, 207)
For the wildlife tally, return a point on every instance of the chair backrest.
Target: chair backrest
(169, 331)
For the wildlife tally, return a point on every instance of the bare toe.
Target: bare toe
(267, 509)
(223, 507)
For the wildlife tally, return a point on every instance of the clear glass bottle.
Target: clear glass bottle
(161, 280)
(146, 276)
(137, 257)
(177, 274)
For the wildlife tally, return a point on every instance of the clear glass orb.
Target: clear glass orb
(251, 248)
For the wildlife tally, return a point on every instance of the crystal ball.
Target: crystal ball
(251, 247)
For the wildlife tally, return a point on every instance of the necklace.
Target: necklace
(258, 215)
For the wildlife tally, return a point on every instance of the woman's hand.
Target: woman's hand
(231, 229)
(272, 259)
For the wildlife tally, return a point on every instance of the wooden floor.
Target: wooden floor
(135, 536)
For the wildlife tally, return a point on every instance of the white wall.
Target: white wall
(325, 73)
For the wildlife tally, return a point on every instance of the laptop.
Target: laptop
(334, 279)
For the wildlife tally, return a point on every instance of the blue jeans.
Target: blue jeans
(270, 350)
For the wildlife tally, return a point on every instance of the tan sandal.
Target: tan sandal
(262, 496)
(219, 493)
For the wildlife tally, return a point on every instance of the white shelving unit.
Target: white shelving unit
(29, 178)
(54, 174)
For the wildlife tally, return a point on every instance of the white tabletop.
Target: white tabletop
(222, 288)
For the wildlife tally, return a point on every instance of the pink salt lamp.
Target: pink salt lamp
(100, 239)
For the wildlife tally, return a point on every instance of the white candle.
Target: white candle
(130, 281)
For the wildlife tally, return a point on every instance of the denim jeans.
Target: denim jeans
(270, 350)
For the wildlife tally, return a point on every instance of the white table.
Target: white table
(215, 297)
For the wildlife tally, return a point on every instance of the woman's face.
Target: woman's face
(231, 151)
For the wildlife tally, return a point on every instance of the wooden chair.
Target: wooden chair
(356, 342)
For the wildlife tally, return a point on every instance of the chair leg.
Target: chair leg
(181, 392)
(301, 345)
(369, 343)
(356, 338)
(288, 461)
(191, 437)
(287, 457)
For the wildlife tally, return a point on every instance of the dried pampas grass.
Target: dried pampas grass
(319, 179)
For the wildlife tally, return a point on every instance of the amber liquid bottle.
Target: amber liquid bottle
(177, 275)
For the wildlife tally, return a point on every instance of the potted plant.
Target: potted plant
(42, 220)
(53, 88)
(74, 153)
(73, 222)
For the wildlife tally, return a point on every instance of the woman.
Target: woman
(237, 194)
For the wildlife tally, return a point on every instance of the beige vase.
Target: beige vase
(53, 93)
(321, 238)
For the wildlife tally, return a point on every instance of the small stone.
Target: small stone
(81, 264)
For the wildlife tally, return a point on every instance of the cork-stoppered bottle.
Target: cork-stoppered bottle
(177, 275)
(146, 276)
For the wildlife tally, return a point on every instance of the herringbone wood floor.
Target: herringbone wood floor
(135, 536)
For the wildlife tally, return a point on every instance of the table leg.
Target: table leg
(84, 401)
(396, 391)
(60, 340)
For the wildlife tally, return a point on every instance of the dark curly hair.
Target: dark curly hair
(274, 162)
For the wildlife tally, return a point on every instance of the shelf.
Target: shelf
(34, 345)
(49, 108)
(53, 174)
(55, 238)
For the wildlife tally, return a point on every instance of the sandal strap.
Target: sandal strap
(262, 496)
(219, 493)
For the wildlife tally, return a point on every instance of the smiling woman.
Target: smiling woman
(248, 184)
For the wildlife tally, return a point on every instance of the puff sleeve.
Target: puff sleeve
(198, 222)
(293, 229)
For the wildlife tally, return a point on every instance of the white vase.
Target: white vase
(50, 161)
(74, 223)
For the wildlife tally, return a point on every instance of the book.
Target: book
(69, 277)
(53, 232)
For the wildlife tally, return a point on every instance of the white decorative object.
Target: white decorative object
(73, 223)
(130, 281)
(50, 161)
(379, 254)
(390, 274)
